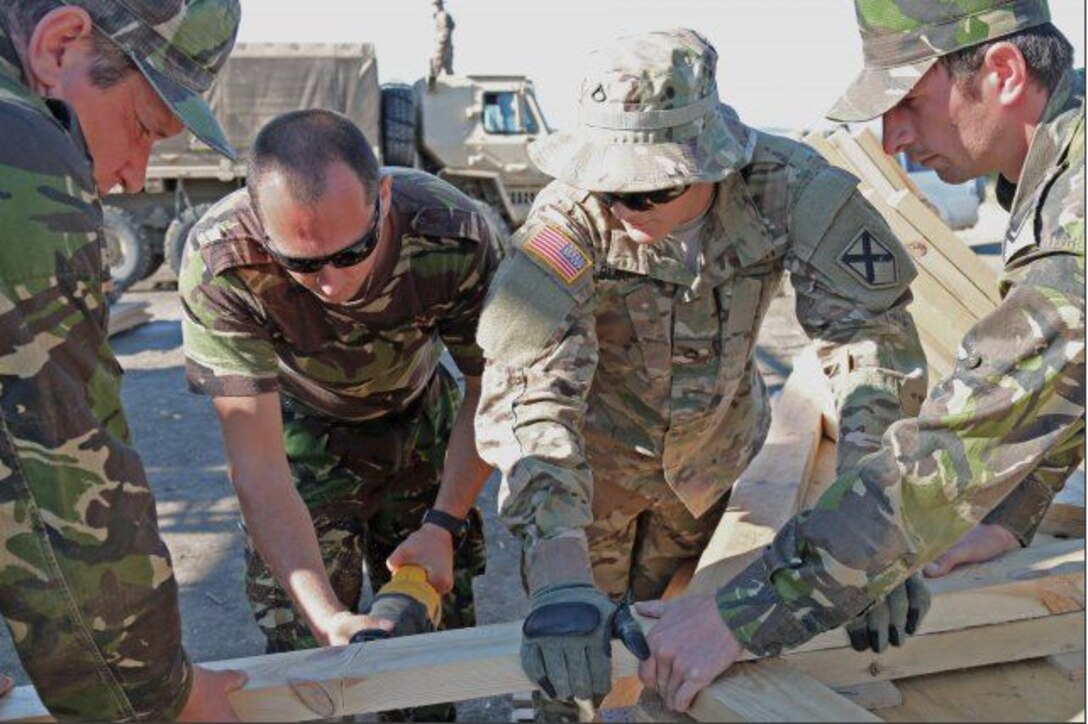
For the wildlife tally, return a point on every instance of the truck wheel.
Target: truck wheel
(128, 252)
(399, 125)
(173, 243)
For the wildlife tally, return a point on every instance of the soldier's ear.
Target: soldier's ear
(1005, 72)
(61, 40)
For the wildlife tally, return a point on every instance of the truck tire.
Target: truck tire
(399, 125)
(127, 251)
(173, 243)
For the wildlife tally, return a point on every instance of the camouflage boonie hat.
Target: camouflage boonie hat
(902, 39)
(649, 118)
(179, 45)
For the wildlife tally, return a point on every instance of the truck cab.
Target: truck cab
(475, 133)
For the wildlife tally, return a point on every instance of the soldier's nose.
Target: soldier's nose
(897, 132)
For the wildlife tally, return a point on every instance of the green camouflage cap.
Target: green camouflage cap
(649, 118)
(902, 39)
(179, 45)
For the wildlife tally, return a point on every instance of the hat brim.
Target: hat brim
(877, 90)
(189, 107)
(606, 161)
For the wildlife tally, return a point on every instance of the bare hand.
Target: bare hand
(978, 545)
(208, 698)
(432, 548)
(689, 647)
(339, 628)
(6, 684)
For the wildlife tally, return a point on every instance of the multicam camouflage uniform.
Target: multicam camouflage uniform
(620, 396)
(367, 408)
(995, 440)
(86, 583)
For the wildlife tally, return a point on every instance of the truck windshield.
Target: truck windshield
(506, 112)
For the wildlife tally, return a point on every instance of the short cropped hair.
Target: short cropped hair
(111, 64)
(301, 144)
(1047, 54)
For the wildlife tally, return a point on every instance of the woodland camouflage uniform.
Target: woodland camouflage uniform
(86, 583)
(999, 437)
(367, 408)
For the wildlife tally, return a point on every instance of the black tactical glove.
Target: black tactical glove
(566, 645)
(893, 619)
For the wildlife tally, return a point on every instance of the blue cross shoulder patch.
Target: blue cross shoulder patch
(870, 261)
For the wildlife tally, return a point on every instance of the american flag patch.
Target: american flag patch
(561, 254)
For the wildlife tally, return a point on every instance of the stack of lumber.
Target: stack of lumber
(954, 288)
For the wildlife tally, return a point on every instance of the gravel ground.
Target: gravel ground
(179, 437)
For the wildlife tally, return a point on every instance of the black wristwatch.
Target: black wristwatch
(457, 527)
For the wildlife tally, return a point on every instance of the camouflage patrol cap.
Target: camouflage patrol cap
(902, 39)
(179, 46)
(649, 118)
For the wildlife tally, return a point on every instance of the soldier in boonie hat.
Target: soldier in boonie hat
(965, 87)
(649, 118)
(620, 401)
(902, 39)
(178, 45)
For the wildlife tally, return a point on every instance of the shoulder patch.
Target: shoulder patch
(558, 252)
(870, 261)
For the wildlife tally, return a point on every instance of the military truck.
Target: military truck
(472, 131)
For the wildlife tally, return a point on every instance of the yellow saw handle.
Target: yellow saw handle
(411, 580)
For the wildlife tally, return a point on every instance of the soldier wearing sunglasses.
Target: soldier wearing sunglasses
(621, 399)
(317, 304)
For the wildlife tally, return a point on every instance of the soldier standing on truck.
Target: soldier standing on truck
(965, 88)
(318, 301)
(442, 61)
(88, 589)
(621, 399)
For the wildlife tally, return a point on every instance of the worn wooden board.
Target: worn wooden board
(1026, 691)
(874, 695)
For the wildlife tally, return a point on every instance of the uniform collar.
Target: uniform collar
(1052, 137)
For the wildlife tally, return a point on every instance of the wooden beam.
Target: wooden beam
(873, 695)
(773, 691)
(947, 651)
(1021, 590)
(1071, 665)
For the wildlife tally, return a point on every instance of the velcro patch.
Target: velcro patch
(870, 261)
(559, 253)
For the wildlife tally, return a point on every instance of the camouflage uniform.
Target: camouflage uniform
(995, 440)
(86, 586)
(620, 398)
(367, 409)
(442, 60)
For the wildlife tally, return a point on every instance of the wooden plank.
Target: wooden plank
(947, 243)
(863, 165)
(873, 695)
(768, 691)
(891, 169)
(1070, 665)
(1025, 691)
(773, 691)
(947, 651)
(127, 315)
(1024, 587)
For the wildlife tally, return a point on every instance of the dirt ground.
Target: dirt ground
(179, 438)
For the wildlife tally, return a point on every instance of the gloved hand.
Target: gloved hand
(893, 619)
(566, 644)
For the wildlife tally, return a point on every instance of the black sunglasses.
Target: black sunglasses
(643, 200)
(348, 256)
